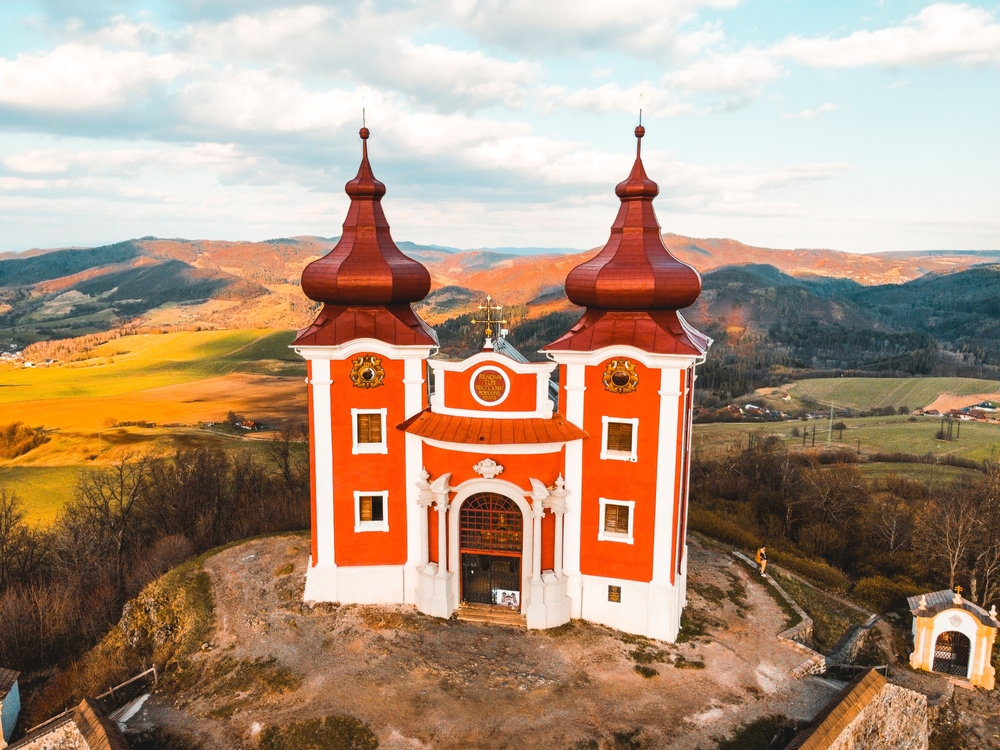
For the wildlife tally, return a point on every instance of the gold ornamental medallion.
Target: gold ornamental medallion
(621, 377)
(367, 372)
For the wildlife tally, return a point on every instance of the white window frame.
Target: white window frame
(382, 525)
(613, 536)
(368, 447)
(631, 455)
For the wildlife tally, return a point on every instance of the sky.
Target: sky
(860, 125)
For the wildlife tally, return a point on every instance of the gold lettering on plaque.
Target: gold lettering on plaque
(489, 385)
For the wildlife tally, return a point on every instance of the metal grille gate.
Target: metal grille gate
(491, 533)
(951, 653)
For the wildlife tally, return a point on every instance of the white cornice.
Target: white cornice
(357, 346)
(596, 357)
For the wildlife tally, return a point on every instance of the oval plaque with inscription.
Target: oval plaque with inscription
(490, 385)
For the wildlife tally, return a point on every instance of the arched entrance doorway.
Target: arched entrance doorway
(491, 537)
(951, 653)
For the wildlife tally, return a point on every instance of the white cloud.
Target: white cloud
(76, 77)
(940, 33)
(811, 114)
(611, 97)
(742, 71)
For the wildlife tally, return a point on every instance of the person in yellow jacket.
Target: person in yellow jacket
(762, 559)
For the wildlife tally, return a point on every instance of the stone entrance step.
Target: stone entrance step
(491, 614)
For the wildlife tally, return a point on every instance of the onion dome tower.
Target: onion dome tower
(367, 358)
(365, 283)
(634, 287)
(627, 375)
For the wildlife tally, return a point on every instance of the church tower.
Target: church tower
(627, 375)
(366, 355)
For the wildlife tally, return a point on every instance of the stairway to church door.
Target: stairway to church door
(491, 538)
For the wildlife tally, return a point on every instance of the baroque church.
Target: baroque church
(546, 490)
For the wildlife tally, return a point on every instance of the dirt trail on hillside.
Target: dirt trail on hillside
(419, 682)
(946, 402)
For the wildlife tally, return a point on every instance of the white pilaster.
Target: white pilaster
(574, 482)
(321, 578)
(663, 616)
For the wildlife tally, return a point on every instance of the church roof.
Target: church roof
(366, 282)
(633, 287)
(939, 601)
(366, 267)
(634, 270)
(491, 431)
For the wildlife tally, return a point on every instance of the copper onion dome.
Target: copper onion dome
(365, 267)
(634, 270)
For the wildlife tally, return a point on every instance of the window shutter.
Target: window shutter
(616, 518)
(371, 508)
(620, 436)
(369, 428)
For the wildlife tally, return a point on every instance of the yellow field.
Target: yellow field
(174, 380)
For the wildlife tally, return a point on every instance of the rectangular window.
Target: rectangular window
(368, 430)
(619, 440)
(616, 518)
(620, 436)
(617, 521)
(371, 511)
(371, 508)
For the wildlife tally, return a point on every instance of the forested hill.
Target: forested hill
(768, 325)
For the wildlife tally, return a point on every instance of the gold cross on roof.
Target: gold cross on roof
(958, 590)
(490, 317)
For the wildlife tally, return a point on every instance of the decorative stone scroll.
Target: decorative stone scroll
(488, 468)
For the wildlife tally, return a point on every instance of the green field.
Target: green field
(868, 393)
(137, 363)
(978, 441)
(43, 490)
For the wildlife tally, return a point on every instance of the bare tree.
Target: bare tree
(108, 501)
(948, 529)
(890, 520)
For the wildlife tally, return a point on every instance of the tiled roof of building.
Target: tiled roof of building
(394, 324)
(488, 431)
(97, 731)
(658, 332)
(831, 722)
(939, 601)
(7, 679)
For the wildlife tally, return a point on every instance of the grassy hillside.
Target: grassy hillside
(145, 361)
(174, 380)
(978, 441)
(862, 394)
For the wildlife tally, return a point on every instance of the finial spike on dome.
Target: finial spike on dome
(640, 131)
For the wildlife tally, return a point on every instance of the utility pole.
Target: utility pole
(829, 439)
(814, 436)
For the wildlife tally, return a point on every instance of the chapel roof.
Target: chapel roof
(365, 267)
(939, 601)
(365, 282)
(492, 431)
(633, 288)
(634, 270)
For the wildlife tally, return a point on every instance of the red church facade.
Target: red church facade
(437, 482)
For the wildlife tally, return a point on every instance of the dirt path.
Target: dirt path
(418, 682)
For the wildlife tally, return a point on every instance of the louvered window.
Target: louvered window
(620, 436)
(371, 508)
(370, 428)
(616, 519)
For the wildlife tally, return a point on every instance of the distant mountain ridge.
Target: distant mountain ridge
(68, 292)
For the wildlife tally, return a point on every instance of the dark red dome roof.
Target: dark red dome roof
(366, 267)
(634, 270)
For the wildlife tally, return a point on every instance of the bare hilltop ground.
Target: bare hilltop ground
(419, 682)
